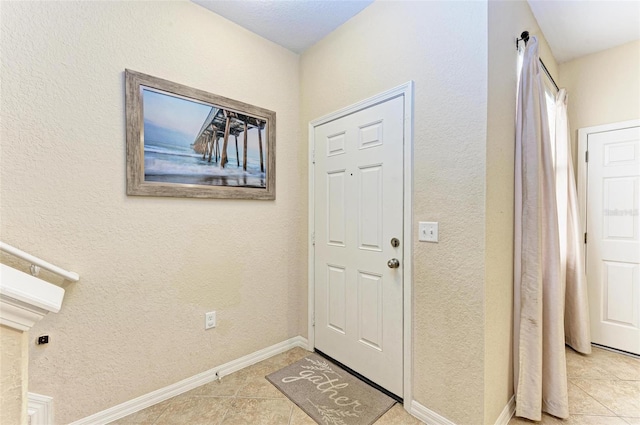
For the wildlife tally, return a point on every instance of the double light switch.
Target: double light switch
(428, 231)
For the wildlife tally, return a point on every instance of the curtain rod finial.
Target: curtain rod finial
(524, 36)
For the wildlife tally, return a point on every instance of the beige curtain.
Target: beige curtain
(539, 358)
(576, 314)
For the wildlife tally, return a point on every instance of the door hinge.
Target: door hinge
(313, 156)
(586, 156)
(313, 320)
(585, 237)
(313, 238)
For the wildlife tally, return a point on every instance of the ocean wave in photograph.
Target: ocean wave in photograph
(175, 164)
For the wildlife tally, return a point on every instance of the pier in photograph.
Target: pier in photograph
(220, 124)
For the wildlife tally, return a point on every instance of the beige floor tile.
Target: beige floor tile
(279, 361)
(257, 370)
(593, 420)
(258, 412)
(255, 385)
(397, 416)
(632, 421)
(185, 410)
(621, 397)
(260, 370)
(259, 387)
(144, 417)
(288, 357)
(571, 420)
(623, 367)
(546, 420)
(581, 403)
(226, 387)
(584, 366)
(299, 417)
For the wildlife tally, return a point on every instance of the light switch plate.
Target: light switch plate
(428, 231)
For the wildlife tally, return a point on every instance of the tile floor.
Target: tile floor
(242, 398)
(604, 389)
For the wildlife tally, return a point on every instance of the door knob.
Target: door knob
(393, 263)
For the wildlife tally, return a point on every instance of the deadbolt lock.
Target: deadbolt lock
(395, 242)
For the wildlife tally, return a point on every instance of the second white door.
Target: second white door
(613, 237)
(358, 242)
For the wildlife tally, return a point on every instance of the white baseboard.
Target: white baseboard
(507, 412)
(428, 416)
(432, 418)
(39, 409)
(155, 397)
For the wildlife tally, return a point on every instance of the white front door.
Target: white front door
(358, 214)
(613, 237)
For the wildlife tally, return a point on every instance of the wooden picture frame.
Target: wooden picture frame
(180, 143)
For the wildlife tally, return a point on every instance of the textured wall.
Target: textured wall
(442, 47)
(13, 376)
(603, 88)
(507, 19)
(150, 267)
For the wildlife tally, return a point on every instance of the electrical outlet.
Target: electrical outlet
(210, 320)
(428, 231)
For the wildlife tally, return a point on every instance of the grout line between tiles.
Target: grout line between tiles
(613, 415)
(210, 396)
(617, 380)
(171, 400)
(594, 399)
(245, 397)
(224, 416)
(290, 414)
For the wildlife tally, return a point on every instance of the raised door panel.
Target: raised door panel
(336, 209)
(370, 223)
(336, 298)
(370, 293)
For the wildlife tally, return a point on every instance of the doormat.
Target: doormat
(330, 395)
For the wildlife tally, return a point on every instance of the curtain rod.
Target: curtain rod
(525, 37)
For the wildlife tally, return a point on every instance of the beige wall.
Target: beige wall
(13, 376)
(150, 267)
(507, 19)
(603, 88)
(442, 47)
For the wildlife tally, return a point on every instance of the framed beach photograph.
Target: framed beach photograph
(185, 142)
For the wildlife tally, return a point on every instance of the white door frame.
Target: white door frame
(583, 136)
(405, 90)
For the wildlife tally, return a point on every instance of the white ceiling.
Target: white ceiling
(294, 24)
(573, 28)
(578, 28)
